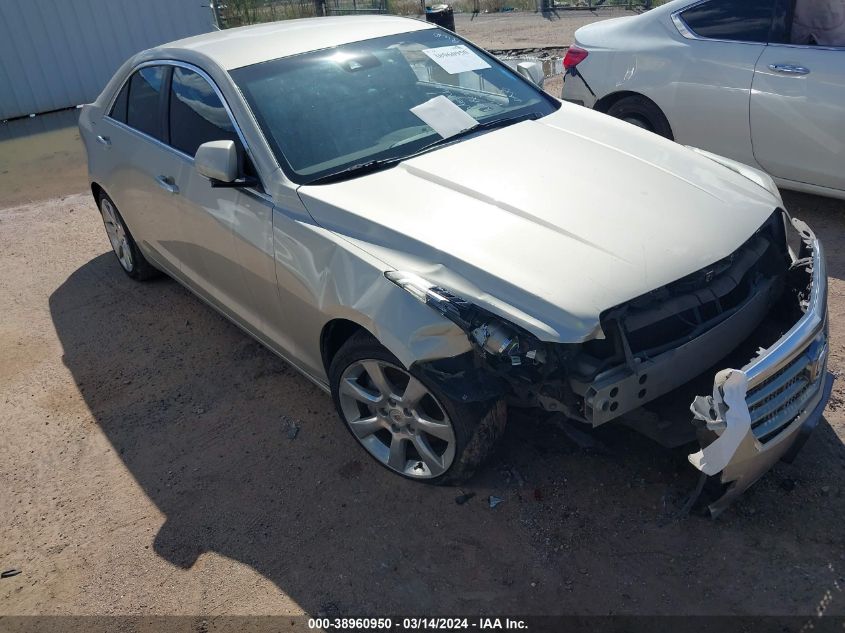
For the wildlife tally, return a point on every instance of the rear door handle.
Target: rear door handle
(166, 183)
(789, 69)
(105, 140)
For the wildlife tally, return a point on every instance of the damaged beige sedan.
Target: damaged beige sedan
(426, 234)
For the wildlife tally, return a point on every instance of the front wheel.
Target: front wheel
(404, 421)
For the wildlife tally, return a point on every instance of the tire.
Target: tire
(642, 112)
(442, 441)
(131, 260)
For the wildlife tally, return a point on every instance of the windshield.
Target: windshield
(327, 111)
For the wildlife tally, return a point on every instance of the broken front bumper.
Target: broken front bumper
(768, 407)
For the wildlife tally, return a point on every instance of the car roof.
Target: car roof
(246, 45)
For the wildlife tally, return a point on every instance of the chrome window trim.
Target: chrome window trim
(810, 47)
(686, 30)
(204, 75)
(683, 28)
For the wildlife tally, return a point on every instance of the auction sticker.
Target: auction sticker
(456, 59)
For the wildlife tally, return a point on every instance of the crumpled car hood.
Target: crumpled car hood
(549, 222)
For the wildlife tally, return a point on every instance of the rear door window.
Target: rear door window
(746, 21)
(144, 102)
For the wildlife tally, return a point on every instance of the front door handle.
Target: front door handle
(104, 140)
(789, 69)
(166, 183)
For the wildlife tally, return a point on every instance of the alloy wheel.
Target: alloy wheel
(117, 235)
(397, 419)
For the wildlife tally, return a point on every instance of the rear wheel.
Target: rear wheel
(642, 112)
(404, 421)
(123, 244)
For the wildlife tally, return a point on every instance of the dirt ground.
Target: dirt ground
(147, 466)
(496, 31)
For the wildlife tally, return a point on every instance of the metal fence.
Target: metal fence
(593, 5)
(347, 7)
(231, 13)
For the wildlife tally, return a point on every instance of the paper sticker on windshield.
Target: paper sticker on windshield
(443, 116)
(456, 59)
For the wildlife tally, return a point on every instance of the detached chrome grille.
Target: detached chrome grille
(781, 398)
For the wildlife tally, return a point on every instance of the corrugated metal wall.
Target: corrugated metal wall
(60, 53)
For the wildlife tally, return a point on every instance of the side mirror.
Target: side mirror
(217, 161)
(532, 71)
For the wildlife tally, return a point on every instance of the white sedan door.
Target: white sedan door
(798, 114)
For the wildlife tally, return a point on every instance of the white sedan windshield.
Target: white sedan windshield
(381, 99)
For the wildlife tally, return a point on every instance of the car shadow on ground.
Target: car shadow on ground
(204, 419)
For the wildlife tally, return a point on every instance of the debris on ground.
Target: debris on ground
(511, 473)
(9, 573)
(494, 501)
(686, 504)
(463, 498)
(293, 427)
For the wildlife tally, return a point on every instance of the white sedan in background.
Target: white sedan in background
(759, 81)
